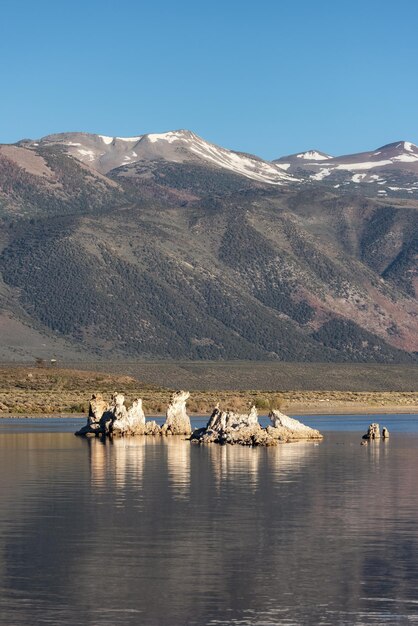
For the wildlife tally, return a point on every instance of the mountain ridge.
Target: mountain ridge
(189, 250)
(388, 171)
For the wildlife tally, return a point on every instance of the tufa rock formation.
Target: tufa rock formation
(244, 429)
(115, 419)
(177, 421)
(229, 427)
(97, 407)
(285, 429)
(373, 432)
(119, 420)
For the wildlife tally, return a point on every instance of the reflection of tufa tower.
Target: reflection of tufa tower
(178, 465)
(235, 463)
(118, 460)
(128, 460)
(98, 462)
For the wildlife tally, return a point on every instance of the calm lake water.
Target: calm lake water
(154, 531)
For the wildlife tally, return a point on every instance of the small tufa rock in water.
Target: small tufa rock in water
(286, 428)
(244, 429)
(177, 421)
(373, 432)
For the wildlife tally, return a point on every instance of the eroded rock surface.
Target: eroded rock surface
(97, 406)
(128, 421)
(177, 421)
(244, 429)
(115, 419)
(373, 432)
(285, 428)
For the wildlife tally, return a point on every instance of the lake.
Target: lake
(156, 531)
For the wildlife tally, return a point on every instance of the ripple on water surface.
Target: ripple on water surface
(158, 531)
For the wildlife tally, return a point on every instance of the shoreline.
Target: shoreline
(32, 392)
(306, 411)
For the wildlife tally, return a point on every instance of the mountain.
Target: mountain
(182, 146)
(391, 170)
(167, 246)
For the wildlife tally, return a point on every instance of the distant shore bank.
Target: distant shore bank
(339, 411)
(55, 392)
(238, 375)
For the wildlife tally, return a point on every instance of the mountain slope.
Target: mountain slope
(45, 180)
(176, 255)
(391, 170)
(107, 153)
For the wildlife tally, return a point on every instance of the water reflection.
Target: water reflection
(161, 532)
(237, 464)
(178, 452)
(116, 461)
(286, 461)
(374, 447)
(97, 456)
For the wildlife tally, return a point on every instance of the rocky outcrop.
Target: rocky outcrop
(97, 406)
(229, 427)
(285, 428)
(122, 421)
(244, 429)
(177, 421)
(373, 432)
(115, 419)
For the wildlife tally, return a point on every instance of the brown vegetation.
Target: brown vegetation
(49, 391)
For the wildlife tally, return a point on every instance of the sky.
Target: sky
(269, 77)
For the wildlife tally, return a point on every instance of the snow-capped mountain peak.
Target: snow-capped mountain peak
(105, 153)
(390, 169)
(399, 146)
(313, 155)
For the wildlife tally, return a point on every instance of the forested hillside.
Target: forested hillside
(188, 260)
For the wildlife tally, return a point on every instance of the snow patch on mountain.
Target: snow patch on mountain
(357, 178)
(410, 147)
(108, 140)
(170, 137)
(406, 158)
(322, 174)
(362, 166)
(313, 155)
(105, 139)
(87, 153)
(129, 139)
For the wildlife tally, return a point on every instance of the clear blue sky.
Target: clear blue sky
(269, 76)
